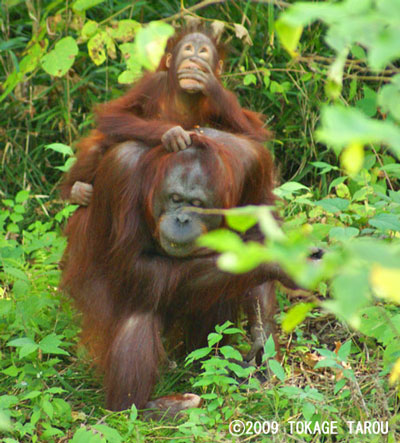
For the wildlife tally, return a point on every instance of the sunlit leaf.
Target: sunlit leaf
(58, 61)
(82, 5)
(296, 315)
(241, 219)
(352, 158)
(125, 30)
(150, 43)
(89, 29)
(289, 35)
(344, 126)
(395, 374)
(99, 46)
(61, 148)
(386, 282)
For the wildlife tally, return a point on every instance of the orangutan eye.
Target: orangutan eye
(188, 47)
(196, 202)
(176, 198)
(203, 50)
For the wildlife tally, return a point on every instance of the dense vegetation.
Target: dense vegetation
(327, 76)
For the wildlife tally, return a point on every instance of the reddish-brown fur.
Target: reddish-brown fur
(128, 290)
(151, 107)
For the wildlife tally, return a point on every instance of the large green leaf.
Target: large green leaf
(342, 126)
(150, 43)
(58, 61)
(386, 222)
(82, 5)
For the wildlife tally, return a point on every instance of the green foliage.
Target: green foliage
(352, 23)
(29, 258)
(58, 61)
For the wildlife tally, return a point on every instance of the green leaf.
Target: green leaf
(58, 61)
(389, 100)
(31, 395)
(26, 346)
(328, 363)
(28, 349)
(50, 345)
(82, 5)
(48, 408)
(351, 293)
(89, 29)
(277, 369)
(221, 240)
(308, 410)
(392, 169)
(343, 191)
(67, 165)
(128, 77)
(240, 222)
(150, 43)
(368, 104)
(249, 79)
(125, 30)
(21, 287)
(11, 371)
(343, 234)
(304, 13)
(82, 435)
(98, 45)
(233, 331)
(344, 351)
(386, 222)
(296, 315)
(269, 348)
(61, 148)
(358, 52)
(268, 224)
(289, 35)
(290, 188)
(333, 204)
(198, 354)
(385, 47)
(16, 273)
(249, 257)
(342, 126)
(133, 413)
(112, 435)
(352, 158)
(339, 385)
(19, 209)
(213, 338)
(22, 196)
(325, 167)
(229, 352)
(6, 426)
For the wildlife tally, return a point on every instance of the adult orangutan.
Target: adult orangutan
(164, 106)
(133, 266)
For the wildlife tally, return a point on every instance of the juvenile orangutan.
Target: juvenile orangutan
(163, 107)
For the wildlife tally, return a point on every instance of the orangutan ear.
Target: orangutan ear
(168, 59)
(220, 65)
